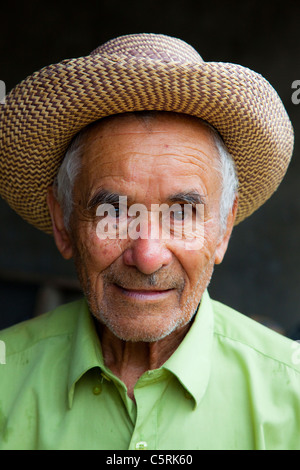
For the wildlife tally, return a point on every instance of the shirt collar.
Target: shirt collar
(86, 351)
(191, 362)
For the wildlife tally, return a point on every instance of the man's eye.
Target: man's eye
(179, 215)
(117, 212)
(183, 213)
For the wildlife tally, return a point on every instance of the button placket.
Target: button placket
(148, 391)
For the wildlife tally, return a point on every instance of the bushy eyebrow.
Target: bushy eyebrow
(104, 196)
(189, 197)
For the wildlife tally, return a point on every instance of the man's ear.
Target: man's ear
(224, 239)
(61, 236)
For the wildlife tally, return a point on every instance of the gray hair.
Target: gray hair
(71, 165)
(230, 182)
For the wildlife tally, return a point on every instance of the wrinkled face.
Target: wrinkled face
(145, 288)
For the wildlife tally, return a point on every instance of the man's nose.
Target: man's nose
(147, 255)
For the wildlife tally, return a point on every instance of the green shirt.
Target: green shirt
(231, 384)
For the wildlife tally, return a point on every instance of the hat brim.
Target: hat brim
(46, 110)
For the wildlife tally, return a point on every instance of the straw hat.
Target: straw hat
(133, 73)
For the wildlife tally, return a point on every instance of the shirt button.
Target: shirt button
(97, 390)
(141, 445)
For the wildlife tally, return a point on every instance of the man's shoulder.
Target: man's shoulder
(59, 321)
(253, 338)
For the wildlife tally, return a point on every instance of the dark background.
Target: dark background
(260, 274)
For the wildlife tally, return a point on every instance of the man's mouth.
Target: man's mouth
(143, 294)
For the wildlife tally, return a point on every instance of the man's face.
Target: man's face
(144, 289)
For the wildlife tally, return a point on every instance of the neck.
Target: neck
(129, 360)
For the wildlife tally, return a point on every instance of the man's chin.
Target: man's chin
(138, 337)
(141, 331)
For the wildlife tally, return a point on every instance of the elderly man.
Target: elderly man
(139, 159)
